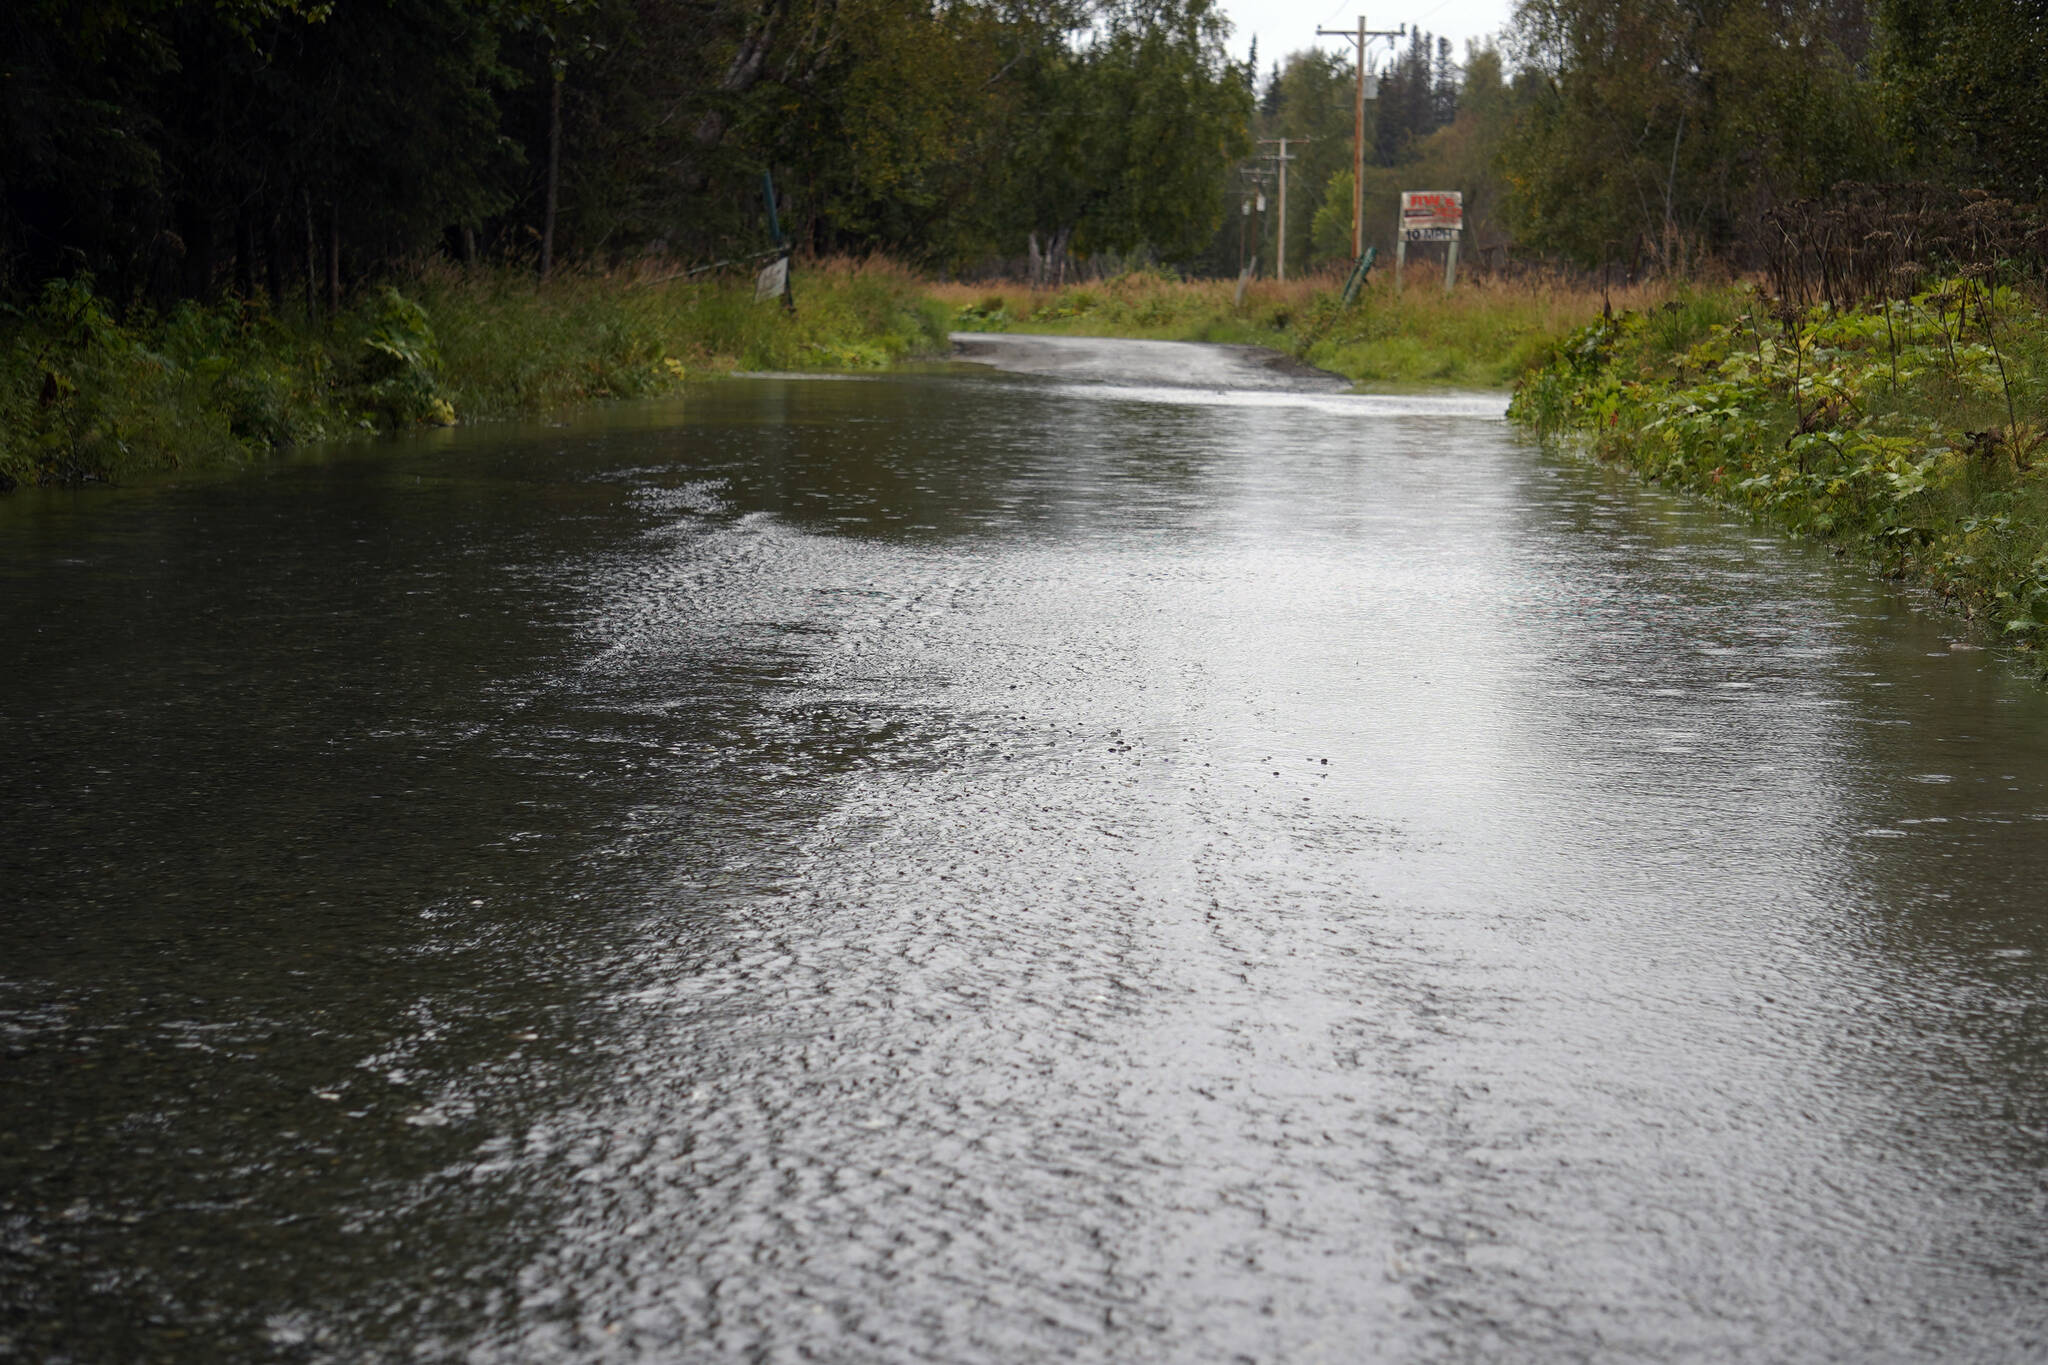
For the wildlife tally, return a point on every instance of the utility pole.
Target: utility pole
(1280, 258)
(1363, 38)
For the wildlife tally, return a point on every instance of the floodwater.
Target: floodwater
(1101, 861)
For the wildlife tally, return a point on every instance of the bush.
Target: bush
(400, 364)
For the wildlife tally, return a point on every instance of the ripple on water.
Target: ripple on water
(990, 871)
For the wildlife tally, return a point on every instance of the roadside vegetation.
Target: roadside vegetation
(85, 397)
(1484, 334)
(1910, 430)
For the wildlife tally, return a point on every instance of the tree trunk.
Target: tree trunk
(333, 259)
(741, 75)
(273, 262)
(245, 252)
(547, 228)
(1056, 252)
(312, 258)
(199, 237)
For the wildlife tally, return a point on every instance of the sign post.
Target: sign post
(773, 281)
(1430, 216)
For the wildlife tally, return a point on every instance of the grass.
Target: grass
(510, 348)
(1140, 304)
(1910, 431)
(86, 397)
(1485, 334)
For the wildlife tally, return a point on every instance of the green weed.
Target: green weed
(1909, 429)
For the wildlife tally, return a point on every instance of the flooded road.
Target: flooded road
(1080, 864)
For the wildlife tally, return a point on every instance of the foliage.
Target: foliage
(1908, 429)
(174, 149)
(1484, 335)
(84, 398)
(1651, 129)
(1330, 229)
(1965, 87)
(1433, 124)
(1418, 94)
(1462, 154)
(1309, 101)
(304, 150)
(401, 364)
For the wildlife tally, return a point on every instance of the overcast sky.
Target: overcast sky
(1284, 26)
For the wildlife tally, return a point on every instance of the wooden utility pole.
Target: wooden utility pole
(1280, 257)
(1362, 38)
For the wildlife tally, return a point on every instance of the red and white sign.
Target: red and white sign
(1432, 215)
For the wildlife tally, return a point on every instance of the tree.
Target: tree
(1657, 128)
(1966, 89)
(169, 148)
(261, 146)
(1130, 139)
(1418, 95)
(1313, 109)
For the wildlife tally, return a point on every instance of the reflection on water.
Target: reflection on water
(969, 868)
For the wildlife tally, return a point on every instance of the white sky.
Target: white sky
(1285, 26)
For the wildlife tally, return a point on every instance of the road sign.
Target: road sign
(1432, 215)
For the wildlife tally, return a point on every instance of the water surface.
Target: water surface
(1093, 865)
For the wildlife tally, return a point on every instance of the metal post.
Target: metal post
(768, 197)
(1400, 256)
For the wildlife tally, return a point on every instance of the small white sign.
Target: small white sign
(773, 282)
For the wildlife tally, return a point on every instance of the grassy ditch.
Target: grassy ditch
(86, 397)
(1909, 430)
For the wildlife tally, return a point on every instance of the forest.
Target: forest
(179, 150)
(301, 148)
(1659, 135)
(233, 226)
